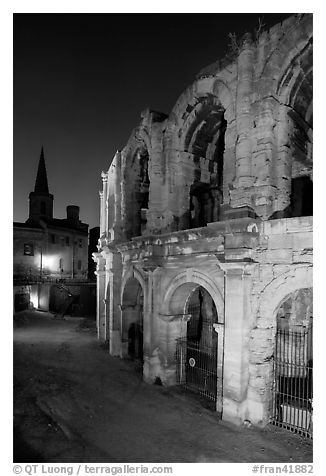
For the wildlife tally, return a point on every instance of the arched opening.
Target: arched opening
(205, 141)
(296, 92)
(201, 308)
(137, 193)
(293, 363)
(132, 320)
(301, 197)
(301, 203)
(197, 349)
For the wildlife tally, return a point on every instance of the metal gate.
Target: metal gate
(292, 386)
(197, 368)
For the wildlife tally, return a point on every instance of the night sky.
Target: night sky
(82, 80)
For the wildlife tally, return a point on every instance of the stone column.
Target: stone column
(147, 327)
(264, 150)
(243, 113)
(263, 157)
(157, 193)
(216, 202)
(113, 308)
(100, 299)
(179, 193)
(117, 202)
(102, 230)
(236, 344)
(283, 161)
(219, 329)
(261, 375)
(103, 218)
(172, 327)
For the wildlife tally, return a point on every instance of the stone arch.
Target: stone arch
(295, 69)
(182, 285)
(262, 339)
(135, 183)
(132, 315)
(175, 326)
(186, 104)
(132, 272)
(286, 47)
(286, 75)
(201, 130)
(278, 290)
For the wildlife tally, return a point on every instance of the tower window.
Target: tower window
(43, 208)
(79, 264)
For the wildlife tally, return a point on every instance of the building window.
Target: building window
(62, 240)
(79, 264)
(67, 241)
(52, 237)
(80, 243)
(28, 249)
(61, 264)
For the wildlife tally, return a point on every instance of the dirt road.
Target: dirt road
(75, 403)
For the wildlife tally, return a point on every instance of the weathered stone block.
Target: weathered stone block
(285, 241)
(274, 227)
(302, 241)
(279, 256)
(299, 224)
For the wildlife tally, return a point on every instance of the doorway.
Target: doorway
(132, 320)
(197, 352)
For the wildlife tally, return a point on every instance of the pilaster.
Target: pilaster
(243, 114)
(100, 298)
(236, 343)
(103, 218)
(113, 301)
(172, 327)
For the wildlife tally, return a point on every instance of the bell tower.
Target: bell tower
(41, 201)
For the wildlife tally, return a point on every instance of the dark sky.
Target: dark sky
(82, 80)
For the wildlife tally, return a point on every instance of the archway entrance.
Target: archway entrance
(132, 320)
(293, 364)
(197, 350)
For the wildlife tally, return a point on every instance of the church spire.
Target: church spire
(41, 182)
(41, 201)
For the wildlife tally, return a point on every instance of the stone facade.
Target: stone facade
(217, 196)
(54, 249)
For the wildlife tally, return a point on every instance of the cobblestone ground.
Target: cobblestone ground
(75, 403)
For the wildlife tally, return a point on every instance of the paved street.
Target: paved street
(75, 403)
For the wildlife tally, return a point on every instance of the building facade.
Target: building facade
(204, 262)
(47, 249)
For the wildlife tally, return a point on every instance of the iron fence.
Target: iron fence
(292, 402)
(197, 368)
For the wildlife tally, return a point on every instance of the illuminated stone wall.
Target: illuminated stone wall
(215, 195)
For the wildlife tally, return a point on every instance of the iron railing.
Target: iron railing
(197, 367)
(292, 402)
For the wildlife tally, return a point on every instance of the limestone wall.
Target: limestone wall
(241, 133)
(284, 260)
(201, 198)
